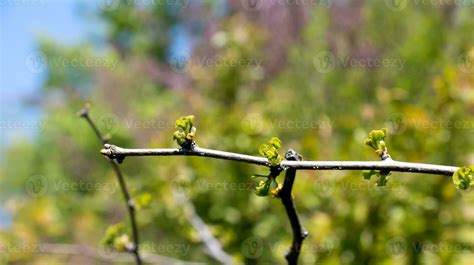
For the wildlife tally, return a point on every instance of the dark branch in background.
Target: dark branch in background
(299, 233)
(84, 113)
(214, 248)
(116, 152)
(112, 257)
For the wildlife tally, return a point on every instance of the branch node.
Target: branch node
(131, 204)
(275, 171)
(188, 145)
(111, 151)
(385, 155)
(304, 233)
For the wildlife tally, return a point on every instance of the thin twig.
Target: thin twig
(84, 113)
(113, 151)
(299, 233)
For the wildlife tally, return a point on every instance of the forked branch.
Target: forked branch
(113, 151)
(185, 135)
(84, 113)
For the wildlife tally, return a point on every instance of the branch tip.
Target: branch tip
(84, 112)
(105, 152)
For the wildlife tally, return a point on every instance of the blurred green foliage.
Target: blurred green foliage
(315, 102)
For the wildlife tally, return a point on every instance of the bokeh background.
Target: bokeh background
(319, 74)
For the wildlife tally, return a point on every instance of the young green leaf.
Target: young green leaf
(382, 179)
(369, 173)
(185, 133)
(263, 187)
(376, 140)
(463, 178)
(122, 243)
(275, 141)
(112, 232)
(270, 151)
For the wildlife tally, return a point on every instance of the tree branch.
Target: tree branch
(84, 113)
(299, 233)
(113, 257)
(213, 246)
(116, 152)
